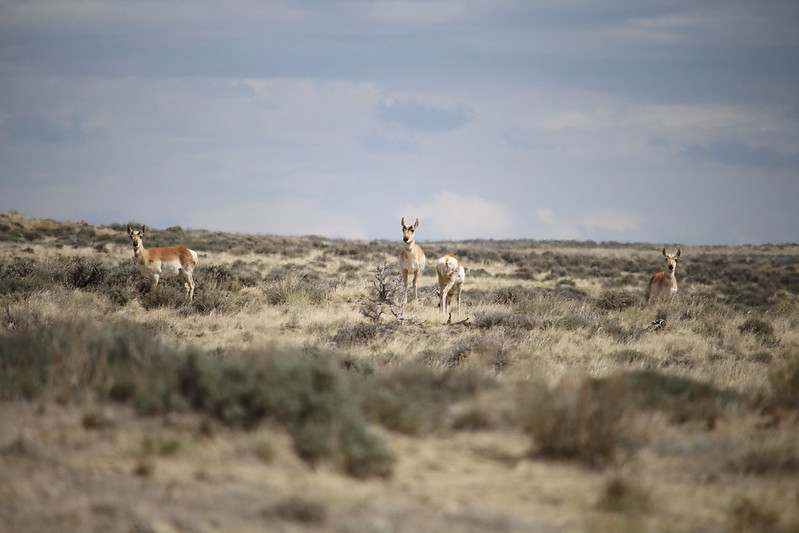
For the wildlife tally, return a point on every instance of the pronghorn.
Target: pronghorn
(663, 285)
(170, 262)
(411, 259)
(450, 281)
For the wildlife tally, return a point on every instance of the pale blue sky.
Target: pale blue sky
(663, 122)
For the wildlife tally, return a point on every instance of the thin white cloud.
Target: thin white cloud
(547, 216)
(601, 223)
(450, 215)
(577, 120)
(555, 228)
(287, 216)
(613, 220)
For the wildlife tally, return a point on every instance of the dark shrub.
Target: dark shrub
(628, 356)
(784, 382)
(32, 235)
(80, 273)
(220, 276)
(20, 267)
(511, 295)
(616, 300)
(499, 318)
(118, 297)
(618, 331)
(573, 322)
(363, 333)
(298, 509)
(163, 295)
(686, 399)
(747, 515)
(18, 276)
(415, 399)
(622, 495)
(566, 291)
(210, 299)
(757, 327)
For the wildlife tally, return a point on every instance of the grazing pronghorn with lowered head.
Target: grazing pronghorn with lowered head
(411, 259)
(663, 285)
(450, 282)
(169, 262)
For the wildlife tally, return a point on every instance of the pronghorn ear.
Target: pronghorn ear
(403, 222)
(143, 229)
(677, 254)
(416, 224)
(130, 230)
(664, 252)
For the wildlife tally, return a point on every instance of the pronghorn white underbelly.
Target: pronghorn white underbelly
(163, 269)
(170, 269)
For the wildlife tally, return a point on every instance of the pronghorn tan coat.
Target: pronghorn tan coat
(411, 259)
(451, 275)
(663, 285)
(169, 262)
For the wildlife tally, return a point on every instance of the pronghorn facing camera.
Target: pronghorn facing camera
(450, 282)
(663, 285)
(411, 259)
(169, 262)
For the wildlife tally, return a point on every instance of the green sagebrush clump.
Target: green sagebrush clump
(24, 276)
(415, 399)
(312, 398)
(17, 276)
(491, 319)
(294, 288)
(761, 329)
(616, 300)
(363, 333)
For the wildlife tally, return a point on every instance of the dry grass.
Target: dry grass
(294, 393)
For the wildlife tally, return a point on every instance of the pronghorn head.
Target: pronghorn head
(136, 237)
(671, 260)
(408, 231)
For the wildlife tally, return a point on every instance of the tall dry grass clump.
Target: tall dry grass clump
(575, 419)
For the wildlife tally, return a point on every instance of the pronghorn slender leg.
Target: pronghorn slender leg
(415, 279)
(185, 284)
(446, 297)
(188, 283)
(405, 284)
